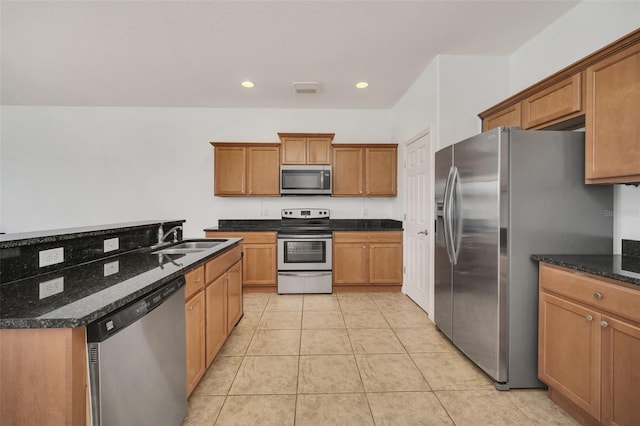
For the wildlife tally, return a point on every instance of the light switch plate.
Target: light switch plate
(111, 268)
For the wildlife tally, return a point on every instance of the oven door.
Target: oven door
(299, 252)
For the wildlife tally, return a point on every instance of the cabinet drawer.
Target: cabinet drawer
(195, 282)
(609, 297)
(367, 237)
(216, 267)
(249, 237)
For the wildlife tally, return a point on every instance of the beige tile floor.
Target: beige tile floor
(351, 359)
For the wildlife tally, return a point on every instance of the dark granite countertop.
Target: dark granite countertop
(24, 238)
(94, 289)
(625, 269)
(335, 224)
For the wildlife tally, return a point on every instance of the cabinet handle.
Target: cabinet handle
(198, 280)
(597, 295)
(604, 324)
(589, 317)
(191, 308)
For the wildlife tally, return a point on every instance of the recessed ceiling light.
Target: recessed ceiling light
(248, 84)
(362, 85)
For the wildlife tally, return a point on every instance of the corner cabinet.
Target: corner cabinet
(305, 148)
(365, 170)
(613, 118)
(242, 169)
(589, 346)
(364, 258)
(260, 261)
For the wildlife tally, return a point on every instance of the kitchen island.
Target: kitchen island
(45, 309)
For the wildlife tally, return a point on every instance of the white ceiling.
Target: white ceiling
(196, 53)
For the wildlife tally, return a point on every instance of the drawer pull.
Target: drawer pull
(198, 280)
(589, 317)
(604, 324)
(191, 308)
(597, 295)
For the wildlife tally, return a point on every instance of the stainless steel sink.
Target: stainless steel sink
(202, 245)
(190, 246)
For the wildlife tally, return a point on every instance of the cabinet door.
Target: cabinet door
(260, 264)
(385, 263)
(229, 170)
(216, 316)
(318, 151)
(559, 102)
(350, 263)
(620, 372)
(348, 171)
(507, 117)
(234, 295)
(569, 351)
(195, 340)
(613, 119)
(294, 150)
(263, 174)
(381, 171)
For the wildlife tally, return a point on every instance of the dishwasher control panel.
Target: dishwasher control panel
(110, 324)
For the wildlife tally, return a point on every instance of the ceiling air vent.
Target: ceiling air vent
(306, 87)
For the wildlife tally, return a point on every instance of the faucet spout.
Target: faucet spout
(173, 231)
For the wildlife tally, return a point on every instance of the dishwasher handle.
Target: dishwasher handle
(107, 326)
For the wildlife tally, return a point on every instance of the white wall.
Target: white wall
(74, 166)
(588, 27)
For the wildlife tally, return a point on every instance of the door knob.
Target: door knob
(425, 232)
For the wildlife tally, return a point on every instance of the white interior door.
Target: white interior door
(418, 222)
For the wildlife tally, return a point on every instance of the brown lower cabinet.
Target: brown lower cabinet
(213, 307)
(589, 346)
(363, 258)
(260, 260)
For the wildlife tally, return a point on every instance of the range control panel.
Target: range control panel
(305, 213)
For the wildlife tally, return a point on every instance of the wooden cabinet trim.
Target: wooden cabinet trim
(576, 67)
(307, 135)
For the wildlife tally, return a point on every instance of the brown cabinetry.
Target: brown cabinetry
(210, 290)
(367, 258)
(365, 170)
(613, 118)
(246, 169)
(305, 148)
(558, 102)
(589, 337)
(601, 92)
(260, 261)
(506, 117)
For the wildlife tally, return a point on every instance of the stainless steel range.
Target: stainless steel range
(305, 252)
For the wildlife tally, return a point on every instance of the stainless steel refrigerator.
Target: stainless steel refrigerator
(500, 197)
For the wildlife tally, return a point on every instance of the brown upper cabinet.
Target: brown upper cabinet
(613, 118)
(305, 148)
(601, 92)
(246, 169)
(365, 170)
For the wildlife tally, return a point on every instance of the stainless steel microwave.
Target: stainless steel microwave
(305, 180)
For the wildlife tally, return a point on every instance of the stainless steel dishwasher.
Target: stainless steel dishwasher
(137, 361)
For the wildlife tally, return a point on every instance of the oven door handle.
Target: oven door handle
(304, 274)
(303, 236)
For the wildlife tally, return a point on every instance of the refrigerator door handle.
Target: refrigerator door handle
(448, 206)
(456, 212)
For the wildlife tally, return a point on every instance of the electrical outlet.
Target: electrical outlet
(111, 268)
(265, 211)
(111, 244)
(51, 256)
(365, 212)
(51, 287)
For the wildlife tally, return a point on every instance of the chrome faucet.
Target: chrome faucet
(162, 235)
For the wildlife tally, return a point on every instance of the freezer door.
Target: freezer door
(443, 268)
(476, 236)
